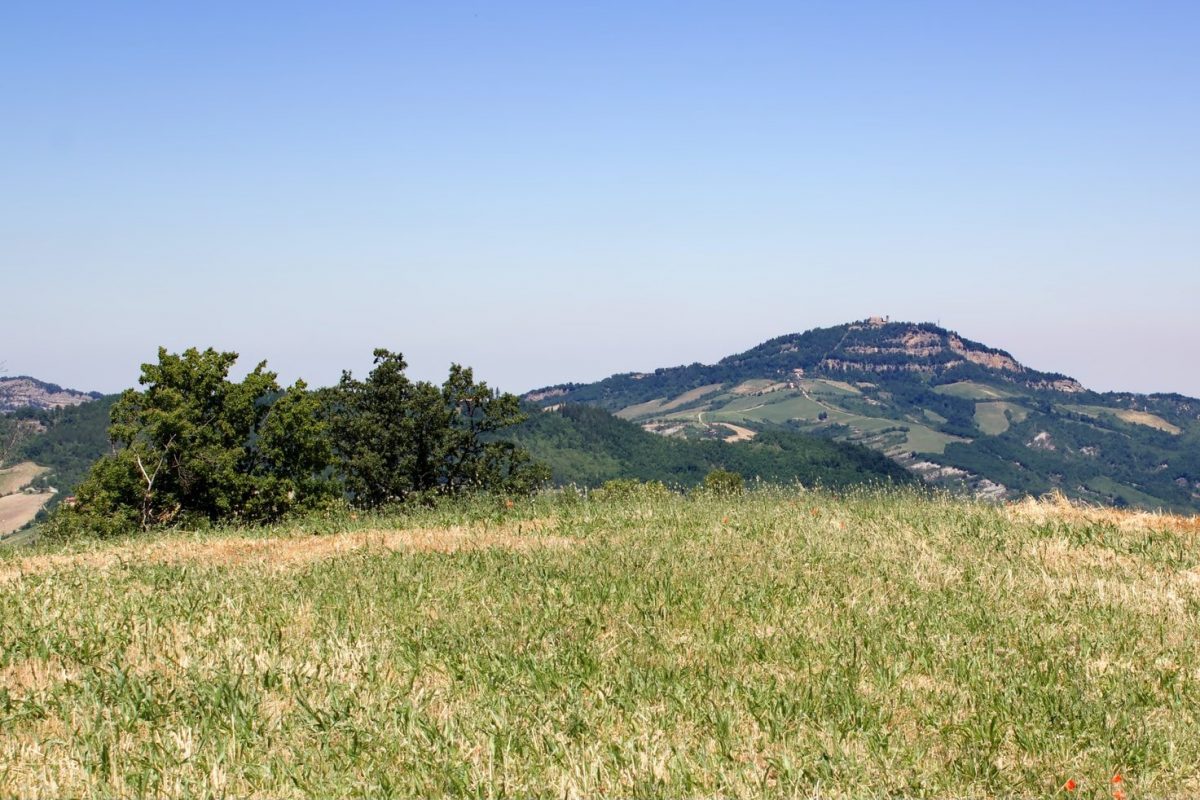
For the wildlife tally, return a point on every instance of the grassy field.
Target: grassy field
(18, 476)
(969, 390)
(787, 643)
(991, 419)
(1127, 415)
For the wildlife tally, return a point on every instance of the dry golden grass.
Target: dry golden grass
(780, 644)
(1147, 419)
(1056, 507)
(757, 385)
(293, 550)
(689, 396)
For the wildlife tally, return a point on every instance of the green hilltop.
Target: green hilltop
(956, 412)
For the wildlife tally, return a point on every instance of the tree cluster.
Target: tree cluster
(395, 438)
(194, 446)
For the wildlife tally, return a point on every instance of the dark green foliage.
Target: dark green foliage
(911, 395)
(72, 440)
(620, 490)
(588, 446)
(10, 438)
(396, 439)
(723, 483)
(193, 445)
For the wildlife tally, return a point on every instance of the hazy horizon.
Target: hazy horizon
(361, 365)
(552, 194)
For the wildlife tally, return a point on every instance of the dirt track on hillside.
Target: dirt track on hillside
(740, 434)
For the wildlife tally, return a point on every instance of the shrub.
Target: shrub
(620, 489)
(723, 483)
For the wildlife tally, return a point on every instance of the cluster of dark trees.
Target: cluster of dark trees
(192, 445)
(588, 446)
(66, 440)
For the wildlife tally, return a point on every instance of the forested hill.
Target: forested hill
(587, 446)
(960, 413)
(65, 440)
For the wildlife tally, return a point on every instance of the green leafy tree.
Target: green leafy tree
(10, 438)
(194, 444)
(396, 439)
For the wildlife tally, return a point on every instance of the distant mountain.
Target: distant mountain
(956, 412)
(26, 392)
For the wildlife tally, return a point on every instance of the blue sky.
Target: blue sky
(559, 191)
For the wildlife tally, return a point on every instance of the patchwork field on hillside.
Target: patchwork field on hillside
(995, 417)
(780, 644)
(1128, 415)
(18, 476)
(815, 403)
(17, 508)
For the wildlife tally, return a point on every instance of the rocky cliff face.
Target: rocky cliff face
(878, 346)
(25, 392)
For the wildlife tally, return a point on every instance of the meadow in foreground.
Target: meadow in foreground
(785, 643)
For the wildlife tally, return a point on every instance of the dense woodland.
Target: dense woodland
(194, 447)
(585, 445)
(66, 440)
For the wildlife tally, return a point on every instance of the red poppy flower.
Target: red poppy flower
(1070, 785)
(1117, 778)
(1118, 795)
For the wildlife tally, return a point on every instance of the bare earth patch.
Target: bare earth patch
(740, 434)
(297, 550)
(18, 509)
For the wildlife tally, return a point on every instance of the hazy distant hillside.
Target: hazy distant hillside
(25, 392)
(55, 447)
(955, 411)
